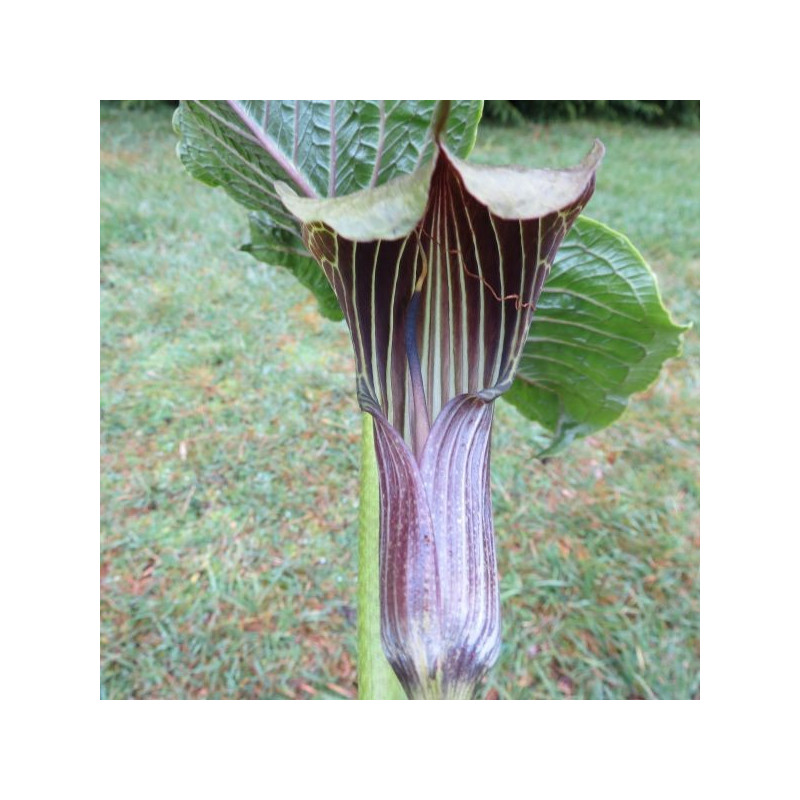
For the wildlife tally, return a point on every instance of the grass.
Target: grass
(229, 451)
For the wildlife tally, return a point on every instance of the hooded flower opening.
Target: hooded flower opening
(438, 274)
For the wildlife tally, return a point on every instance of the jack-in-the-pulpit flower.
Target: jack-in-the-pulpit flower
(438, 274)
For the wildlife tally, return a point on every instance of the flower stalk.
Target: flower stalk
(376, 679)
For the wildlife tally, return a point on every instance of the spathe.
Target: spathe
(438, 274)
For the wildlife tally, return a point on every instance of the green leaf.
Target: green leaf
(273, 246)
(600, 333)
(321, 149)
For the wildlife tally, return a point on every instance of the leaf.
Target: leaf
(321, 149)
(272, 246)
(600, 333)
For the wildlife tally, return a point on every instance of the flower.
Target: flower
(438, 274)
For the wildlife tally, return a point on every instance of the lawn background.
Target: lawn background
(229, 453)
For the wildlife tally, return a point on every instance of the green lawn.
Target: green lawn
(230, 442)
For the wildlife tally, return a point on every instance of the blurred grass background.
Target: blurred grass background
(229, 453)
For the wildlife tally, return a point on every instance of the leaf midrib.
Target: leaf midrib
(272, 149)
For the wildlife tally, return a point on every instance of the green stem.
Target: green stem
(376, 680)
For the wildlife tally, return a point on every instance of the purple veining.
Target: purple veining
(271, 147)
(332, 174)
(381, 141)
